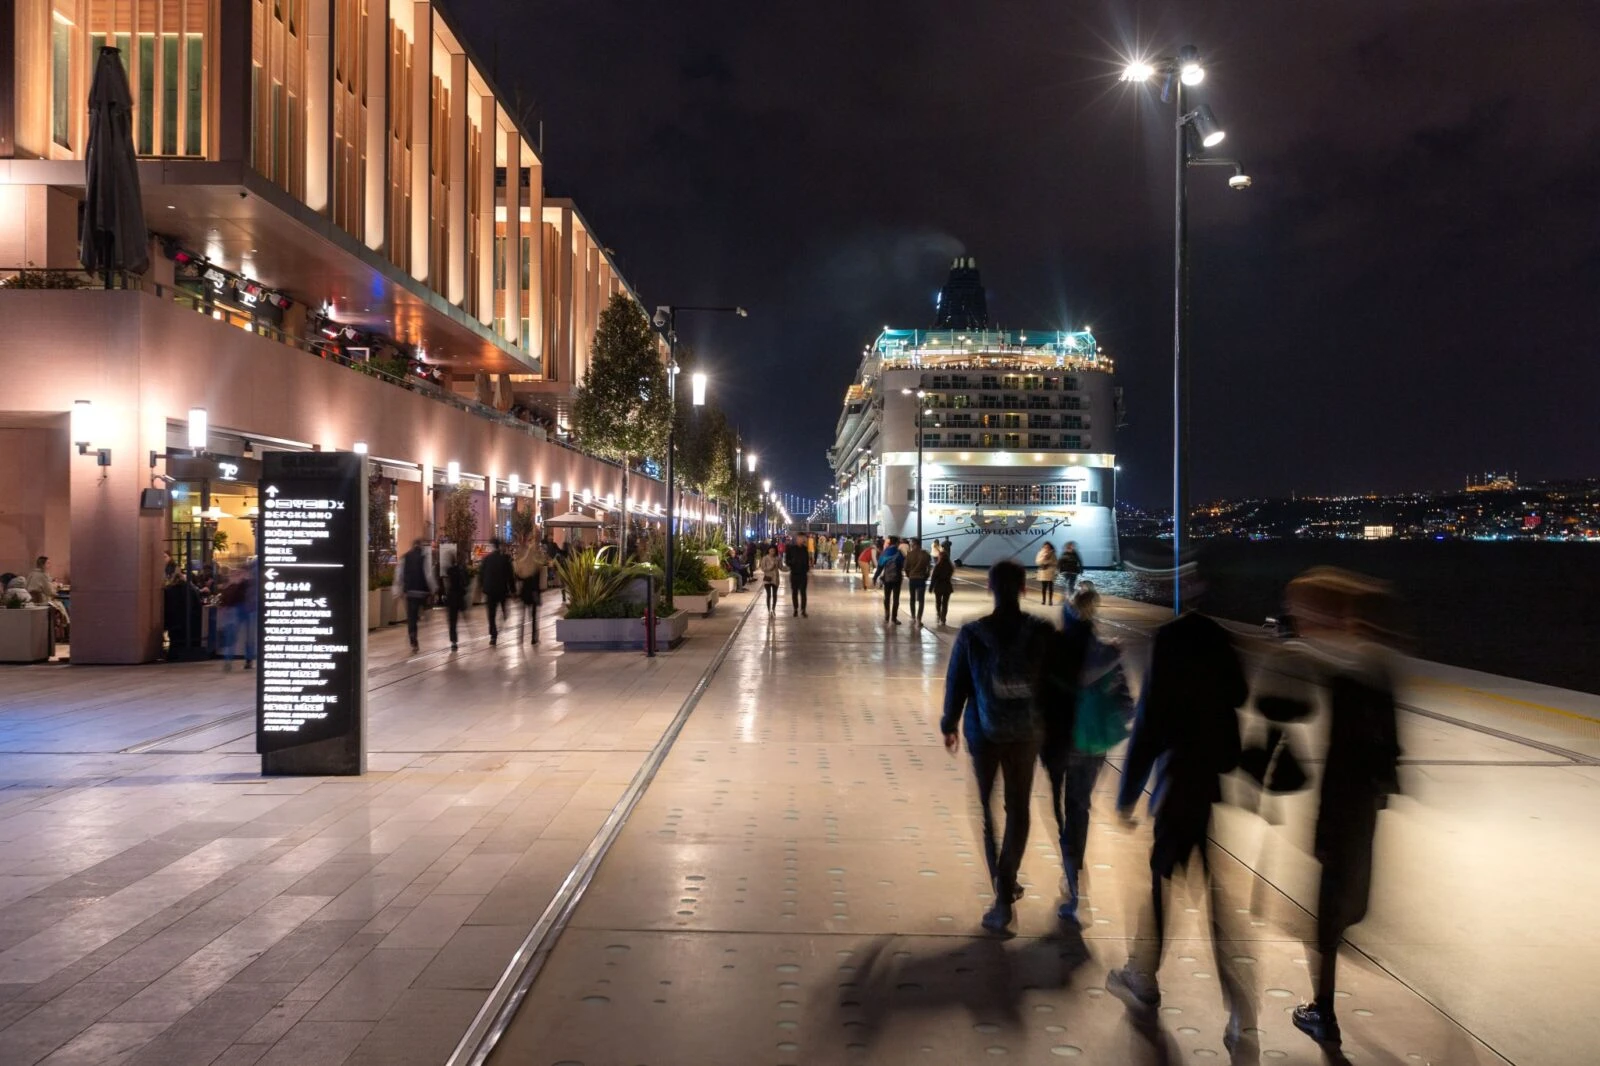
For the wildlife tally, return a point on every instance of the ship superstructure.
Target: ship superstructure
(1016, 436)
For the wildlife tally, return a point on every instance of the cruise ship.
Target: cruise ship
(1010, 433)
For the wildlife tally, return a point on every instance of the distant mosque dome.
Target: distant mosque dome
(963, 304)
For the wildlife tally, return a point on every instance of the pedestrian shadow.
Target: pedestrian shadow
(988, 979)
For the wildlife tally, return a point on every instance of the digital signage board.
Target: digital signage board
(311, 688)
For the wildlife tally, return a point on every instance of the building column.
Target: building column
(319, 105)
(534, 230)
(488, 143)
(235, 119)
(376, 45)
(513, 234)
(421, 139)
(456, 226)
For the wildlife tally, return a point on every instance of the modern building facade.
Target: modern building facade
(1016, 436)
(351, 242)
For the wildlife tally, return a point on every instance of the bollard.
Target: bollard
(650, 617)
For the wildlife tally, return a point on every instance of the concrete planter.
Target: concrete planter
(378, 601)
(695, 603)
(727, 586)
(620, 634)
(24, 634)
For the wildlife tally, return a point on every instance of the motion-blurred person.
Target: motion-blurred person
(1073, 755)
(797, 560)
(1047, 565)
(919, 565)
(1187, 732)
(236, 604)
(416, 584)
(1343, 619)
(887, 574)
(530, 569)
(1071, 564)
(498, 582)
(991, 689)
(769, 565)
(943, 583)
(456, 587)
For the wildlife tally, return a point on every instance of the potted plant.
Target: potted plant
(600, 614)
(691, 589)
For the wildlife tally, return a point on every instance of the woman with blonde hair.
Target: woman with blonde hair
(1048, 566)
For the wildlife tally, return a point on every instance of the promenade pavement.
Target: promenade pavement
(802, 883)
(162, 903)
(799, 882)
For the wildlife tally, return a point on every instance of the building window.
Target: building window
(1012, 440)
(1038, 440)
(61, 80)
(960, 438)
(990, 382)
(1091, 496)
(930, 440)
(1013, 421)
(1072, 441)
(145, 105)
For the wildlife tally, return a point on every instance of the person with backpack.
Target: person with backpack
(888, 573)
(991, 692)
(1186, 731)
(1075, 751)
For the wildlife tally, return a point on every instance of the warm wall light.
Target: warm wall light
(513, 483)
(82, 425)
(452, 472)
(555, 491)
(360, 447)
(197, 429)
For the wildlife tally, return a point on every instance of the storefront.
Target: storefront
(212, 512)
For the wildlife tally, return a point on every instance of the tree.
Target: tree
(622, 410)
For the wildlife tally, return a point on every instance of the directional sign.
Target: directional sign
(312, 685)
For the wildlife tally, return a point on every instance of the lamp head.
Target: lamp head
(1138, 70)
(1189, 68)
(663, 316)
(1240, 181)
(1207, 127)
(741, 312)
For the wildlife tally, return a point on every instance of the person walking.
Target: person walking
(918, 566)
(416, 584)
(498, 582)
(769, 566)
(1342, 617)
(888, 573)
(236, 605)
(1187, 732)
(1074, 753)
(847, 552)
(457, 586)
(797, 560)
(991, 689)
(942, 581)
(530, 568)
(1071, 565)
(1046, 563)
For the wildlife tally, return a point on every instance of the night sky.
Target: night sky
(1409, 292)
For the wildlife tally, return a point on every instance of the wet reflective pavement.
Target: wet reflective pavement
(802, 883)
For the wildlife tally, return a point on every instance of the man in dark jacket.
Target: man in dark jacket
(891, 568)
(1071, 565)
(797, 559)
(1187, 732)
(498, 583)
(919, 565)
(992, 688)
(416, 584)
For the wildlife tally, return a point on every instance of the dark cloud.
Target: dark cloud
(1404, 295)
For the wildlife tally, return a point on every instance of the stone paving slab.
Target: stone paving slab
(162, 903)
(801, 883)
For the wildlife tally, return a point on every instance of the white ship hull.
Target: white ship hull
(981, 540)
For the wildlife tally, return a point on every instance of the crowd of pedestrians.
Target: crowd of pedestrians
(1021, 691)
(501, 579)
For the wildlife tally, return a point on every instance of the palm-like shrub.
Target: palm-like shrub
(597, 587)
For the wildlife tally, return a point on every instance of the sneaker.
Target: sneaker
(1067, 911)
(1138, 991)
(805, 614)
(1317, 1022)
(998, 917)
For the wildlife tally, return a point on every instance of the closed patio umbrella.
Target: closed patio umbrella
(113, 237)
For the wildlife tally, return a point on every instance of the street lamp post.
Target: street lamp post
(666, 318)
(1181, 73)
